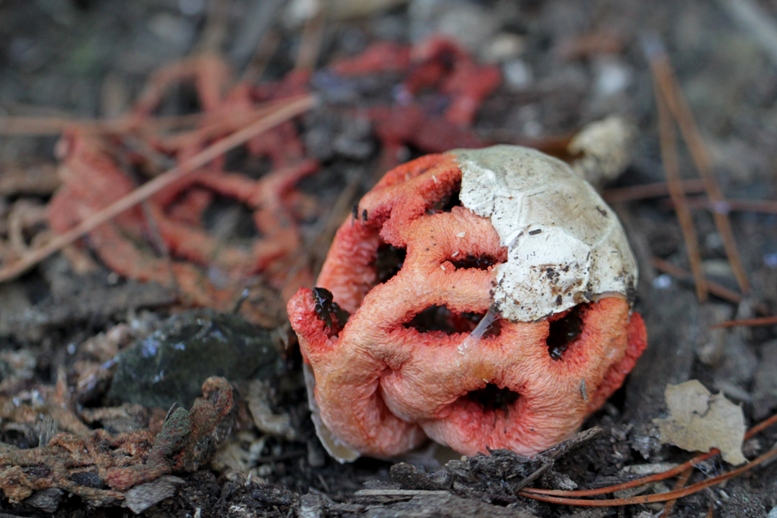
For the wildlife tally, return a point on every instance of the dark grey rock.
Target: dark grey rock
(170, 365)
(47, 500)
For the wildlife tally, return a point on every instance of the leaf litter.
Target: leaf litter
(699, 421)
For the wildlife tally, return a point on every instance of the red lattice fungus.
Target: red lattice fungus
(389, 334)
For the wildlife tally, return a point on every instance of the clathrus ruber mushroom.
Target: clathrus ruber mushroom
(481, 298)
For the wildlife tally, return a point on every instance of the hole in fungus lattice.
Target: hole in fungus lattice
(441, 318)
(565, 330)
(446, 203)
(477, 262)
(388, 261)
(492, 398)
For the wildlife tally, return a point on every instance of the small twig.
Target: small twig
(678, 106)
(310, 43)
(729, 205)
(655, 498)
(533, 476)
(216, 24)
(755, 22)
(657, 477)
(293, 108)
(48, 126)
(649, 190)
(677, 470)
(760, 427)
(45, 126)
(713, 287)
(223, 120)
(220, 124)
(679, 484)
(677, 194)
(399, 492)
(32, 126)
(749, 322)
(40, 179)
(261, 58)
(252, 28)
(159, 161)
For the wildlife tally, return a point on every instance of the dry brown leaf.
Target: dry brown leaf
(700, 421)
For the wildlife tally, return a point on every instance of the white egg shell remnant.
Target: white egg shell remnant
(564, 244)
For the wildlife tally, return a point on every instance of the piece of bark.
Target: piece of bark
(438, 504)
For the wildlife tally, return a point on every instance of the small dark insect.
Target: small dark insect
(355, 212)
(364, 214)
(535, 231)
(326, 308)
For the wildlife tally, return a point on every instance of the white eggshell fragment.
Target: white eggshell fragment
(564, 244)
(605, 149)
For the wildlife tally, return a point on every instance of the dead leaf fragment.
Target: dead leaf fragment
(700, 421)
